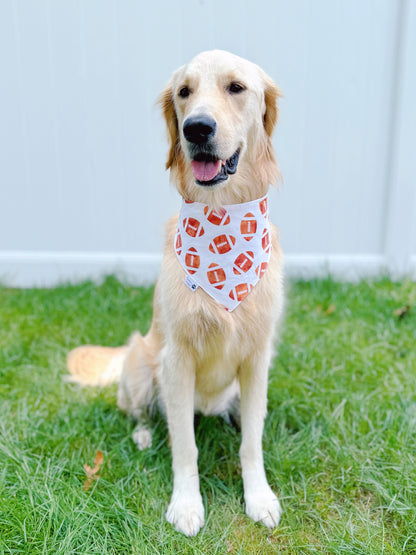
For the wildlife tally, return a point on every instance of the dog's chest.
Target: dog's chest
(216, 379)
(218, 350)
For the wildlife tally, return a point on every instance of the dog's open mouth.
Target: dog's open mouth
(209, 170)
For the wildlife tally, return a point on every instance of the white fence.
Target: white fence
(82, 147)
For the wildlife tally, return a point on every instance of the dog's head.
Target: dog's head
(220, 112)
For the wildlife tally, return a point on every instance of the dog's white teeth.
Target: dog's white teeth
(222, 162)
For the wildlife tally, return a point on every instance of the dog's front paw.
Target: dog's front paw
(186, 512)
(263, 506)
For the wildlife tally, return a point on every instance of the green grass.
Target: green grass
(339, 441)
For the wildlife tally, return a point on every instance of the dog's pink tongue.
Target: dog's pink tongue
(205, 171)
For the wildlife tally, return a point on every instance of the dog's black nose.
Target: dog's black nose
(199, 129)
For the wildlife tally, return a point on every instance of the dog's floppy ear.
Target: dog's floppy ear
(271, 94)
(165, 101)
(268, 167)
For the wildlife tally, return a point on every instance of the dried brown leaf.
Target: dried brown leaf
(330, 309)
(401, 312)
(99, 459)
(91, 473)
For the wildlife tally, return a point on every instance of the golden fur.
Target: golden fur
(196, 355)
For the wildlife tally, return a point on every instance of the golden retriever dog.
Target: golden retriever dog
(200, 355)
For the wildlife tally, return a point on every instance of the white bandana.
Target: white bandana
(225, 251)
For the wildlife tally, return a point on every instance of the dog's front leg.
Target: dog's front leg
(177, 380)
(261, 503)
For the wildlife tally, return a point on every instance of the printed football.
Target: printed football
(222, 244)
(260, 270)
(193, 227)
(178, 243)
(243, 262)
(263, 206)
(216, 276)
(217, 217)
(240, 291)
(192, 260)
(248, 226)
(265, 241)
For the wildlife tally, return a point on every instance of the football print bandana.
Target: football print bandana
(225, 251)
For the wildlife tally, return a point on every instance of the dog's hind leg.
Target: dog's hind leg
(136, 393)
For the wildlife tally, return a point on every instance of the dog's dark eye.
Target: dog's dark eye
(184, 92)
(235, 88)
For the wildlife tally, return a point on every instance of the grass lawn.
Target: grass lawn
(339, 441)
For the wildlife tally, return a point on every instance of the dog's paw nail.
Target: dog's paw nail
(189, 524)
(264, 508)
(186, 516)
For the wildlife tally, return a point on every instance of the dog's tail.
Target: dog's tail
(96, 365)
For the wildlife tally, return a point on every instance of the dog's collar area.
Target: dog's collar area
(226, 168)
(225, 250)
